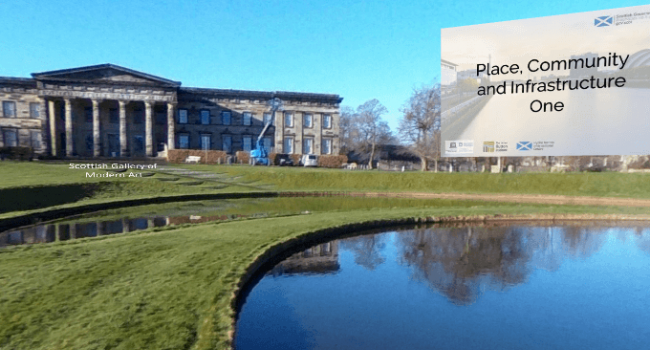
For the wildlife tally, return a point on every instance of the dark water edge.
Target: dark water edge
(502, 280)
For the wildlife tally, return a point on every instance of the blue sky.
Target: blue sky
(358, 49)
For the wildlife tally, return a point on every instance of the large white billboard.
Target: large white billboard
(576, 84)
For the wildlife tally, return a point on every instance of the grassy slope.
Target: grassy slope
(609, 184)
(161, 290)
(26, 186)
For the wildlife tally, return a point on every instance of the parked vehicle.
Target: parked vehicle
(309, 160)
(285, 159)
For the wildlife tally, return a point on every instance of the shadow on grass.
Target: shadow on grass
(26, 198)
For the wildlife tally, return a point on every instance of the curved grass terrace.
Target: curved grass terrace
(174, 287)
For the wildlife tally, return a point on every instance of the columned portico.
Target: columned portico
(69, 136)
(148, 129)
(124, 146)
(97, 135)
(53, 135)
(171, 140)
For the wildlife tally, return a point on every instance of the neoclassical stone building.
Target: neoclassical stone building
(112, 111)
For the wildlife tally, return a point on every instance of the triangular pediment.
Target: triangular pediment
(105, 73)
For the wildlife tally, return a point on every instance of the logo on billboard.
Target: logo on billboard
(524, 146)
(460, 146)
(488, 146)
(603, 21)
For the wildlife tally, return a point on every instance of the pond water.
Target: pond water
(143, 217)
(541, 286)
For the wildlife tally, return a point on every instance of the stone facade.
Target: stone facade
(112, 111)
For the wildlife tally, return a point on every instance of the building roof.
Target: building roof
(21, 82)
(71, 72)
(267, 95)
(113, 74)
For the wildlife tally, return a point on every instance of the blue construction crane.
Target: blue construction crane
(259, 155)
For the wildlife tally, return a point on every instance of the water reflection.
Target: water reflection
(460, 262)
(546, 286)
(319, 259)
(66, 231)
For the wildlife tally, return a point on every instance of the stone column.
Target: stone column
(97, 135)
(51, 111)
(171, 123)
(73, 231)
(69, 137)
(124, 145)
(148, 129)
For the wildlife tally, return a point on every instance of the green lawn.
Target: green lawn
(168, 288)
(35, 185)
(606, 184)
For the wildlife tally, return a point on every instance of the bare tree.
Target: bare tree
(420, 125)
(372, 129)
(348, 134)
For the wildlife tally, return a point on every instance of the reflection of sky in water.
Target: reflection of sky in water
(501, 288)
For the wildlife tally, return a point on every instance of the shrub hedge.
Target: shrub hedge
(16, 153)
(213, 157)
(243, 157)
(332, 161)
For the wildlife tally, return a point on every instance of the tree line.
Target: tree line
(363, 130)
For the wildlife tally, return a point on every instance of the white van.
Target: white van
(309, 160)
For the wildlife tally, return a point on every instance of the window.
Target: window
(34, 110)
(288, 145)
(247, 143)
(327, 121)
(206, 141)
(88, 114)
(327, 146)
(138, 116)
(205, 117)
(308, 146)
(35, 139)
(182, 117)
(9, 109)
(227, 143)
(288, 120)
(268, 144)
(308, 120)
(113, 116)
(183, 141)
(11, 137)
(268, 118)
(225, 117)
(247, 118)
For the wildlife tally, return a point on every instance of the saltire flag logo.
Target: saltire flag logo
(524, 146)
(603, 21)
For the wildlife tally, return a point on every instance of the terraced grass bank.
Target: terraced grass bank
(40, 185)
(607, 184)
(168, 288)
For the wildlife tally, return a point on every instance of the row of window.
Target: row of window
(9, 109)
(247, 119)
(307, 146)
(11, 138)
(205, 142)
